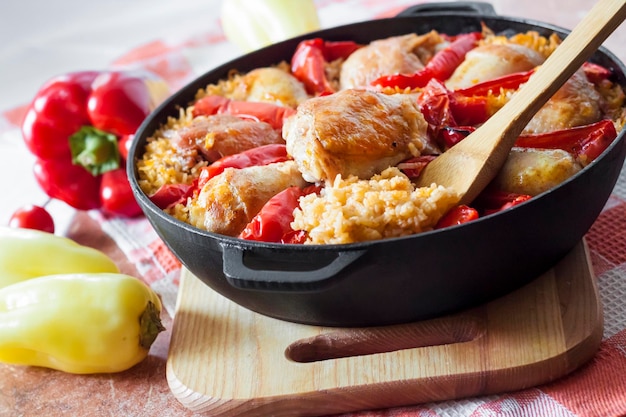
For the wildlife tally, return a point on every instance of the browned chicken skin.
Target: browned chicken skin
(577, 103)
(354, 132)
(229, 201)
(491, 61)
(395, 55)
(220, 135)
(533, 171)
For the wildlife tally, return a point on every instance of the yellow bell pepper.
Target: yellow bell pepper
(252, 24)
(78, 323)
(27, 253)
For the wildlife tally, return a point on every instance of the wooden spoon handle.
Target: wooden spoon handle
(471, 164)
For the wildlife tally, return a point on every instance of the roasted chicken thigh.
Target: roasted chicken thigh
(355, 132)
(228, 202)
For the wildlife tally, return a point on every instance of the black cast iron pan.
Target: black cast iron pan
(402, 279)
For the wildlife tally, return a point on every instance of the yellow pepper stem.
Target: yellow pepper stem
(150, 325)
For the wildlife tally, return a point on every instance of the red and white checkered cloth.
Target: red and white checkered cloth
(597, 389)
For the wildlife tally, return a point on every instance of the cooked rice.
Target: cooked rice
(161, 162)
(387, 205)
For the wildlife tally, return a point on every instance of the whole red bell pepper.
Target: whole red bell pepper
(440, 67)
(73, 126)
(308, 63)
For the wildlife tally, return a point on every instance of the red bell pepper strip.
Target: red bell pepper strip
(434, 104)
(295, 237)
(413, 167)
(261, 155)
(453, 135)
(170, 194)
(308, 63)
(457, 215)
(72, 127)
(506, 82)
(586, 143)
(443, 108)
(468, 110)
(596, 73)
(440, 67)
(265, 112)
(273, 222)
(492, 200)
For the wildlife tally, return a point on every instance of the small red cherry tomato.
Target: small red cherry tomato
(32, 217)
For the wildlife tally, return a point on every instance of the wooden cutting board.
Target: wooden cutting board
(228, 361)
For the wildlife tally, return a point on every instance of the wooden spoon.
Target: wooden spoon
(471, 164)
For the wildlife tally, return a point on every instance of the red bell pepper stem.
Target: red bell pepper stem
(265, 112)
(95, 150)
(440, 67)
(308, 63)
(584, 142)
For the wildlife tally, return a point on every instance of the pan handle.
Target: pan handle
(245, 270)
(472, 7)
